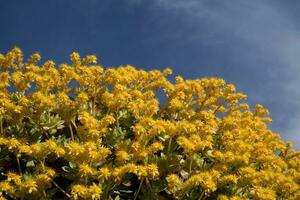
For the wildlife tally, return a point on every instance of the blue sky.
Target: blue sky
(253, 44)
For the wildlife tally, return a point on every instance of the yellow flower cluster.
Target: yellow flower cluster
(79, 131)
(86, 192)
(18, 186)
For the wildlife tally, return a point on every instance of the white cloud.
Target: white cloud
(262, 25)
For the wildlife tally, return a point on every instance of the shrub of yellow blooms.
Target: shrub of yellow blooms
(77, 131)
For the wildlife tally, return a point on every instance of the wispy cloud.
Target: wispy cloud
(263, 26)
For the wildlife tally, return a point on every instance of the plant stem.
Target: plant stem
(106, 193)
(139, 189)
(191, 164)
(169, 146)
(71, 132)
(202, 195)
(19, 165)
(1, 126)
(117, 119)
(169, 151)
(149, 185)
(74, 124)
(43, 164)
(62, 190)
(216, 110)
(94, 106)
(47, 135)
(45, 195)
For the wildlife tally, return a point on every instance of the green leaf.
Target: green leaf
(127, 183)
(30, 163)
(66, 168)
(72, 165)
(159, 185)
(126, 191)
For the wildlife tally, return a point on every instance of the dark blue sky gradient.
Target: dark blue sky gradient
(254, 44)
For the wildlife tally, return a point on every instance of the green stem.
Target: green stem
(108, 188)
(117, 119)
(47, 135)
(1, 126)
(139, 189)
(71, 132)
(216, 110)
(169, 146)
(149, 185)
(191, 164)
(202, 195)
(203, 102)
(169, 151)
(62, 190)
(93, 106)
(19, 165)
(85, 180)
(44, 194)
(74, 124)
(43, 164)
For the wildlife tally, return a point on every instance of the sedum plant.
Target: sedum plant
(77, 131)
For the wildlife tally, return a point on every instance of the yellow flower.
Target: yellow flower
(95, 192)
(104, 173)
(5, 186)
(174, 183)
(4, 80)
(86, 170)
(13, 144)
(122, 156)
(89, 130)
(206, 180)
(25, 149)
(86, 192)
(141, 171)
(19, 81)
(37, 151)
(43, 181)
(51, 146)
(79, 191)
(75, 57)
(43, 102)
(264, 193)
(227, 179)
(152, 171)
(29, 186)
(156, 146)
(34, 58)
(16, 179)
(201, 138)
(186, 144)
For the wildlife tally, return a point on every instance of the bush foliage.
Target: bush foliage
(77, 131)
